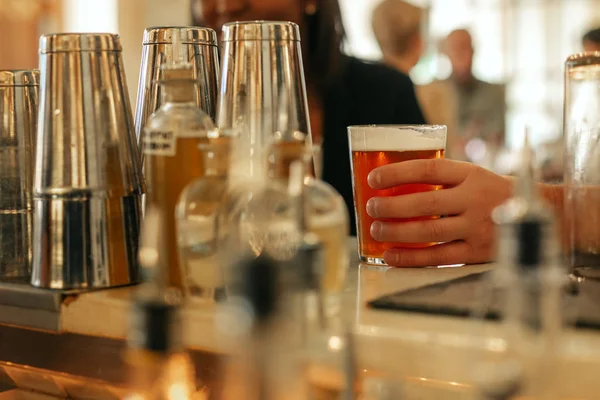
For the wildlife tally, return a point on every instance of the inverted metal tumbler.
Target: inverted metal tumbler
(87, 180)
(18, 121)
(262, 71)
(198, 47)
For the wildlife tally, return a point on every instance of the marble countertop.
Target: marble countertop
(427, 349)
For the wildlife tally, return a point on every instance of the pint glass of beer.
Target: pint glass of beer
(374, 146)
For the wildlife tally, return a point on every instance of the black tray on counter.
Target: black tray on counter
(460, 297)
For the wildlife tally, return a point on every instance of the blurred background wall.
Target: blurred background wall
(522, 43)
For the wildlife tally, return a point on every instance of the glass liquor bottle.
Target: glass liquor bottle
(528, 287)
(158, 364)
(328, 351)
(200, 223)
(261, 330)
(326, 212)
(170, 147)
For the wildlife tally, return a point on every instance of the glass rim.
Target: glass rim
(400, 126)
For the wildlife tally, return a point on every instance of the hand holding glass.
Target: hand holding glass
(375, 146)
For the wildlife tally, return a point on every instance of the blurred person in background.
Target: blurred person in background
(342, 90)
(591, 40)
(481, 105)
(398, 28)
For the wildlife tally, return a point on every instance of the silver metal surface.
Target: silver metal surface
(87, 181)
(199, 47)
(261, 30)
(262, 71)
(18, 121)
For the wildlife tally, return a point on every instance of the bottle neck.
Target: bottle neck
(283, 154)
(179, 92)
(248, 160)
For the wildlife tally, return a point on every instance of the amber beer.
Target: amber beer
(374, 146)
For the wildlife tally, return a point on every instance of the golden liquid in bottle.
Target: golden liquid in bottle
(166, 177)
(115, 222)
(282, 155)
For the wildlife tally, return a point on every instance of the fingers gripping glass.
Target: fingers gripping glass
(375, 146)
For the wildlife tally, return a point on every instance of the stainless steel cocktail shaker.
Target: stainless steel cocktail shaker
(87, 181)
(262, 72)
(19, 91)
(198, 47)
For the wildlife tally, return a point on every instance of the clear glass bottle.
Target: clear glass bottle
(258, 323)
(528, 287)
(158, 364)
(200, 223)
(326, 212)
(329, 368)
(170, 146)
(253, 207)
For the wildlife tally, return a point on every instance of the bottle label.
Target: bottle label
(160, 143)
(282, 239)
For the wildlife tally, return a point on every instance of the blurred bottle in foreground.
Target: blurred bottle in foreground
(325, 211)
(529, 287)
(158, 364)
(329, 367)
(200, 224)
(256, 323)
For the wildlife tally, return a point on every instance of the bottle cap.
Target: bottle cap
(155, 318)
(260, 287)
(178, 70)
(156, 325)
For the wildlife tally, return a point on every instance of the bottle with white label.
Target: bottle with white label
(200, 224)
(170, 146)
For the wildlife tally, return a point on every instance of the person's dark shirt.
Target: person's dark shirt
(364, 94)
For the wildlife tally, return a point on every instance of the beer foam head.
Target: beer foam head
(397, 138)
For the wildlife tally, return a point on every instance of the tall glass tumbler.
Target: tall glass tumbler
(374, 146)
(582, 161)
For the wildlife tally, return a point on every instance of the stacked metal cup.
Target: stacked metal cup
(198, 47)
(262, 71)
(87, 181)
(18, 120)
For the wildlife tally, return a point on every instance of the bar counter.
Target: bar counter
(83, 342)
